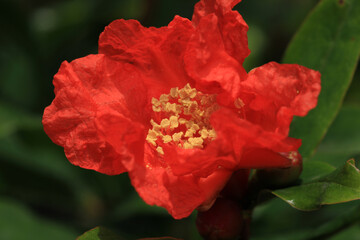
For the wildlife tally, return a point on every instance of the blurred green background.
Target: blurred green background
(43, 196)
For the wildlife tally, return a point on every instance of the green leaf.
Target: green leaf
(342, 185)
(328, 41)
(304, 225)
(313, 170)
(17, 222)
(342, 141)
(99, 233)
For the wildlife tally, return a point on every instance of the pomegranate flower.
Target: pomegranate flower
(174, 107)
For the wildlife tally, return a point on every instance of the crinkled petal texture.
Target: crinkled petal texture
(274, 93)
(180, 195)
(100, 116)
(207, 52)
(217, 49)
(102, 110)
(230, 24)
(94, 115)
(271, 95)
(243, 141)
(158, 52)
(252, 145)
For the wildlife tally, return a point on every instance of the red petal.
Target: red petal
(217, 50)
(124, 35)
(208, 62)
(156, 52)
(205, 7)
(180, 195)
(90, 93)
(232, 26)
(242, 136)
(200, 162)
(159, 52)
(274, 93)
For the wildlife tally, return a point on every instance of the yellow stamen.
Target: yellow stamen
(204, 133)
(189, 133)
(196, 142)
(160, 150)
(167, 138)
(183, 108)
(174, 92)
(174, 123)
(165, 123)
(177, 136)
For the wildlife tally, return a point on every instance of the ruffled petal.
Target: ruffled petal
(206, 7)
(209, 64)
(212, 53)
(157, 52)
(274, 93)
(89, 94)
(200, 162)
(124, 37)
(231, 25)
(253, 146)
(217, 50)
(179, 195)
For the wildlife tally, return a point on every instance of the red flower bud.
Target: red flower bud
(281, 177)
(223, 221)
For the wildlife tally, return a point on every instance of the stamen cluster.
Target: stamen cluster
(185, 119)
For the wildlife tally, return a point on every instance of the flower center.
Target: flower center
(184, 119)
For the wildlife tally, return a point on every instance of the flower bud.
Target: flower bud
(223, 221)
(281, 177)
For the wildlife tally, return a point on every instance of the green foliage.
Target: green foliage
(17, 222)
(313, 170)
(272, 222)
(160, 238)
(350, 233)
(339, 144)
(342, 185)
(328, 41)
(342, 141)
(331, 46)
(99, 233)
(12, 120)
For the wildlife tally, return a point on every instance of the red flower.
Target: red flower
(174, 108)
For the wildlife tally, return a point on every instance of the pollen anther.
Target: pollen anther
(185, 119)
